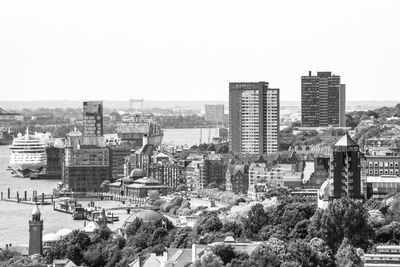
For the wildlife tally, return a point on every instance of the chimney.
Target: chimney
(309, 73)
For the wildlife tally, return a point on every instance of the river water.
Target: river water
(189, 136)
(14, 218)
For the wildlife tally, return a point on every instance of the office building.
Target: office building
(323, 100)
(93, 118)
(86, 168)
(215, 113)
(346, 169)
(86, 163)
(253, 118)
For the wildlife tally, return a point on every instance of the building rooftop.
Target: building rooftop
(346, 141)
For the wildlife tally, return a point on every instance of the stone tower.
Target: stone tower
(346, 169)
(35, 232)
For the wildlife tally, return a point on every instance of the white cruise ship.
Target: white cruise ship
(28, 153)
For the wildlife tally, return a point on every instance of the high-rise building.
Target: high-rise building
(86, 163)
(215, 113)
(323, 100)
(35, 233)
(93, 118)
(253, 118)
(346, 169)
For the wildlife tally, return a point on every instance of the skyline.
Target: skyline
(74, 50)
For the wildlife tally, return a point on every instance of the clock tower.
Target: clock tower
(35, 232)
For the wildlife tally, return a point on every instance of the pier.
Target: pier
(36, 199)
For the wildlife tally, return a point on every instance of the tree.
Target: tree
(222, 148)
(94, 257)
(208, 222)
(225, 252)
(256, 219)
(134, 226)
(347, 255)
(105, 232)
(183, 238)
(233, 227)
(74, 253)
(322, 253)
(158, 236)
(262, 256)
(343, 218)
(209, 259)
(181, 187)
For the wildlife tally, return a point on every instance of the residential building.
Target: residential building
(93, 118)
(204, 170)
(215, 113)
(170, 174)
(237, 178)
(263, 177)
(253, 118)
(323, 100)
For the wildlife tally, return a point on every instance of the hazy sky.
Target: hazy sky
(191, 50)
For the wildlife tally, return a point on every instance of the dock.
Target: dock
(36, 199)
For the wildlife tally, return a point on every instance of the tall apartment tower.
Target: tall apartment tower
(323, 100)
(253, 118)
(215, 113)
(93, 118)
(35, 233)
(346, 169)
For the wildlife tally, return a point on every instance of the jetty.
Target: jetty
(36, 199)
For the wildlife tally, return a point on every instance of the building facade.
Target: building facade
(93, 118)
(346, 169)
(214, 113)
(253, 118)
(323, 100)
(382, 165)
(118, 156)
(86, 168)
(237, 178)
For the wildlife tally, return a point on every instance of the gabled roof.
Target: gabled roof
(238, 168)
(346, 141)
(91, 227)
(394, 146)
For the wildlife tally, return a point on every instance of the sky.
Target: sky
(191, 50)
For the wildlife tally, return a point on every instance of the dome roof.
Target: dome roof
(63, 232)
(36, 210)
(148, 216)
(137, 173)
(51, 237)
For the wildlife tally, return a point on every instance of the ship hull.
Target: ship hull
(25, 169)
